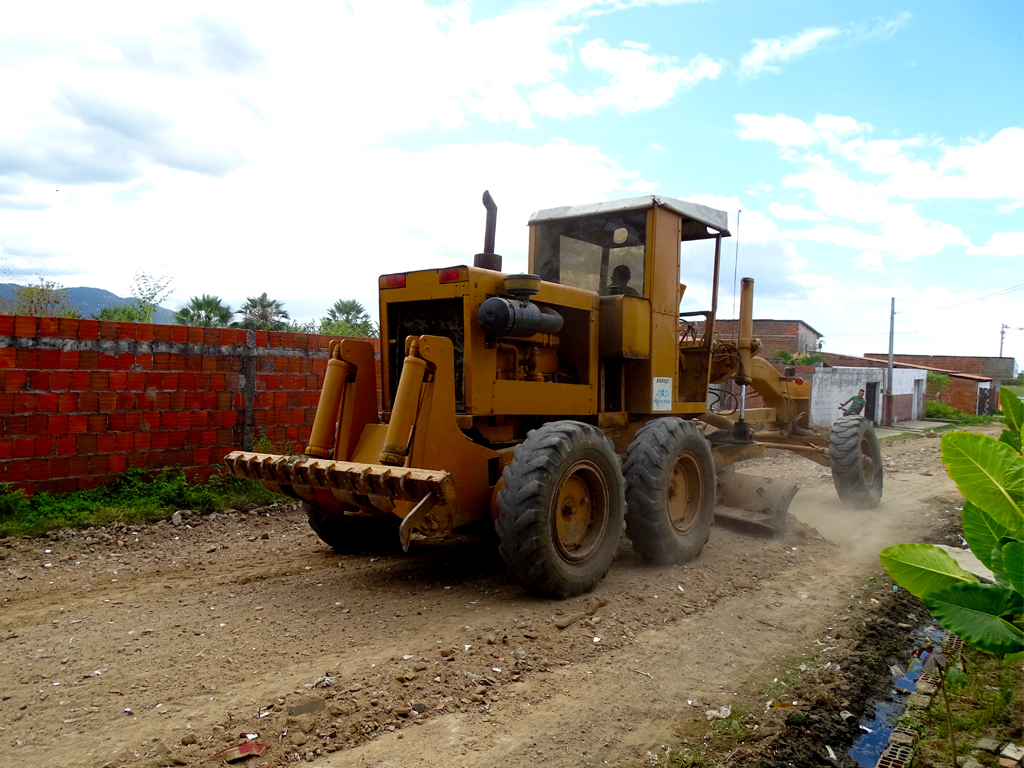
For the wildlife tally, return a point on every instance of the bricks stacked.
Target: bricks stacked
(82, 400)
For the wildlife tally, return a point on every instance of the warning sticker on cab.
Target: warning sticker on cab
(662, 393)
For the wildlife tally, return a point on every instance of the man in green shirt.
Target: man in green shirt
(856, 403)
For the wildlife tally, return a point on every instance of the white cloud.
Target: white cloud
(1001, 244)
(878, 214)
(639, 80)
(871, 260)
(795, 213)
(767, 54)
(782, 130)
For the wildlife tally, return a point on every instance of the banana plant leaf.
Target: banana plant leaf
(976, 612)
(988, 473)
(1013, 565)
(922, 568)
(983, 532)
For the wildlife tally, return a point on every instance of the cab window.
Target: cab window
(602, 253)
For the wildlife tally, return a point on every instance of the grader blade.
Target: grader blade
(346, 478)
(754, 504)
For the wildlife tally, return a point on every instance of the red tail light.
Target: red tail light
(392, 281)
(453, 275)
(798, 380)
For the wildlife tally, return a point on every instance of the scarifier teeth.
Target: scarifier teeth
(405, 483)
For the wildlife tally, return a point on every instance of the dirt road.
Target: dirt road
(164, 644)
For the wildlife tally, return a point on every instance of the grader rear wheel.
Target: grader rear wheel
(670, 491)
(561, 509)
(856, 462)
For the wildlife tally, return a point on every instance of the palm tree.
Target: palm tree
(260, 313)
(347, 311)
(206, 311)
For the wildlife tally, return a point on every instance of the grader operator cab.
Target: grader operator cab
(559, 404)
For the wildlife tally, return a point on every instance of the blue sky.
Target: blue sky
(876, 149)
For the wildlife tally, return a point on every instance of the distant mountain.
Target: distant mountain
(91, 300)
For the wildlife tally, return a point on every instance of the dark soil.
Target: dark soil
(852, 675)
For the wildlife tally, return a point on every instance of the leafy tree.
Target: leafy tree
(364, 329)
(122, 313)
(260, 313)
(48, 299)
(147, 293)
(989, 473)
(347, 311)
(784, 357)
(205, 311)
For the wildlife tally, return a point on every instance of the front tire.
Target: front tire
(560, 509)
(670, 491)
(350, 535)
(856, 462)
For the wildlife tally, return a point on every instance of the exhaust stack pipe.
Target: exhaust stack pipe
(489, 259)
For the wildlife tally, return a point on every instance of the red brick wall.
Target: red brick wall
(995, 367)
(962, 394)
(774, 335)
(81, 400)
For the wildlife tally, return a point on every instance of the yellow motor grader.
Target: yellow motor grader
(560, 405)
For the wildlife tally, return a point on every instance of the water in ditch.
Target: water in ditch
(868, 747)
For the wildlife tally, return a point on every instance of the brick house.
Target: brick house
(967, 392)
(794, 336)
(994, 368)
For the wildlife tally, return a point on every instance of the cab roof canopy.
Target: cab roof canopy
(704, 222)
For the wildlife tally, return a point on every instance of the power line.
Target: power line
(886, 333)
(985, 297)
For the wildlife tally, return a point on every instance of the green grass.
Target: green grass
(989, 705)
(933, 409)
(131, 498)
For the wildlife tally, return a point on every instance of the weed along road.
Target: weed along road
(165, 644)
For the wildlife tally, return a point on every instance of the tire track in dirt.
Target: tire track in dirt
(218, 635)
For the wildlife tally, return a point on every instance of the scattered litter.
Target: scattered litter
(895, 588)
(495, 669)
(874, 600)
(648, 674)
(846, 715)
(375, 559)
(719, 714)
(407, 657)
(680, 587)
(783, 704)
(597, 639)
(467, 647)
(244, 749)
(866, 729)
(323, 682)
(831, 754)
(252, 736)
(896, 671)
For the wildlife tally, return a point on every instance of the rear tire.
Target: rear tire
(561, 509)
(856, 462)
(670, 491)
(350, 535)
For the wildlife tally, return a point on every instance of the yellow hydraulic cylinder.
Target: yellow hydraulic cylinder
(746, 335)
(405, 408)
(325, 423)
